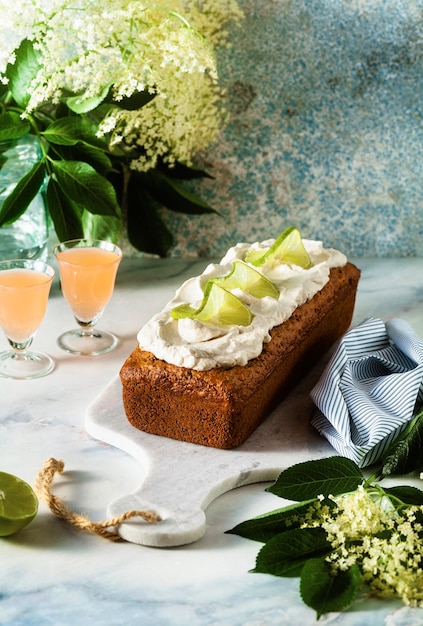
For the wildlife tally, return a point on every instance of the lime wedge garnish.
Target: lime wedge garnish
(18, 504)
(218, 306)
(249, 280)
(287, 248)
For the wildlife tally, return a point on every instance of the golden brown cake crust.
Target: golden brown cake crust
(222, 407)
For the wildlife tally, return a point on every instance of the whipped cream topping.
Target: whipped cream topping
(200, 346)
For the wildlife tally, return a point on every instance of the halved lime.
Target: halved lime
(287, 248)
(249, 280)
(18, 504)
(218, 306)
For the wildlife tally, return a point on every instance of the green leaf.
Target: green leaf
(25, 191)
(146, 230)
(104, 227)
(264, 527)
(286, 553)
(66, 215)
(173, 195)
(79, 104)
(132, 103)
(304, 481)
(146, 194)
(84, 186)
(3, 91)
(95, 157)
(406, 493)
(406, 453)
(12, 126)
(22, 72)
(61, 132)
(325, 592)
(69, 131)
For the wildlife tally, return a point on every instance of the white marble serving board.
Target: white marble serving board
(179, 480)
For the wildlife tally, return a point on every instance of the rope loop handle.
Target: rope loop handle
(42, 487)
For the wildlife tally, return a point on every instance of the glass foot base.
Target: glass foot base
(87, 342)
(23, 366)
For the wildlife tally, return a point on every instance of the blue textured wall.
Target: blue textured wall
(326, 132)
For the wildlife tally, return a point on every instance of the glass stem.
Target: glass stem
(20, 347)
(90, 323)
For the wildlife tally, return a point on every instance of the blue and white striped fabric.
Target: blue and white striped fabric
(370, 389)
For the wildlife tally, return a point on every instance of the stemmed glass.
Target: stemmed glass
(88, 270)
(24, 289)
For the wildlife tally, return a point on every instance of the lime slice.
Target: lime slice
(218, 306)
(249, 280)
(18, 504)
(287, 248)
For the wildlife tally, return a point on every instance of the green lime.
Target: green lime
(249, 280)
(218, 306)
(287, 248)
(18, 504)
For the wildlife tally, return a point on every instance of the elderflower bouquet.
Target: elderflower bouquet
(121, 95)
(343, 533)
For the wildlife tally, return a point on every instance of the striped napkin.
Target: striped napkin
(370, 389)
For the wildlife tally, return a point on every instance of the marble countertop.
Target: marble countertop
(51, 573)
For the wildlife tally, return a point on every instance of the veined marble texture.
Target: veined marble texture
(326, 132)
(54, 575)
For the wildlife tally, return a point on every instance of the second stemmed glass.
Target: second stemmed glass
(88, 270)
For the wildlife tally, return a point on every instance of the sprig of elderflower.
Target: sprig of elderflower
(120, 95)
(346, 529)
(162, 47)
(366, 529)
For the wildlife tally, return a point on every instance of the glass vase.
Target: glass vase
(27, 237)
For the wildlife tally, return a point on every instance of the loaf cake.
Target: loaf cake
(213, 385)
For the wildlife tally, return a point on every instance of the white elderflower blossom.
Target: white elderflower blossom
(359, 514)
(208, 21)
(165, 47)
(366, 529)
